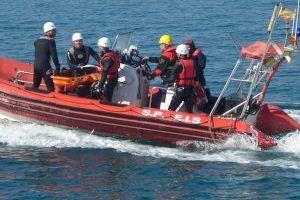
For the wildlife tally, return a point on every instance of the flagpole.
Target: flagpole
(297, 19)
(294, 21)
(274, 17)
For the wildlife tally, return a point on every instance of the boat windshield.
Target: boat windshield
(123, 41)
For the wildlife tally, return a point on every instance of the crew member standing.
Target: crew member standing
(167, 59)
(79, 54)
(108, 67)
(200, 61)
(45, 50)
(184, 74)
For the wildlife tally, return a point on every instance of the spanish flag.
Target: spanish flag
(287, 14)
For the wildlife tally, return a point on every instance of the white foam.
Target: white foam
(238, 149)
(4, 116)
(295, 114)
(290, 143)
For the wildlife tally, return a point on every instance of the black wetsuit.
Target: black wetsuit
(201, 63)
(163, 66)
(80, 57)
(45, 49)
(184, 93)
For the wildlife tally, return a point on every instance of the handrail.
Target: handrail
(225, 87)
(239, 105)
(19, 74)
(260, 65)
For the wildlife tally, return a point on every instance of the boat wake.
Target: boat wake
(239, 149)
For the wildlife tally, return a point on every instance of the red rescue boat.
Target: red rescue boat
(242, 112)
(125, 120)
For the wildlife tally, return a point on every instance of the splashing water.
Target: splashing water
(290, 143)
(238, 149)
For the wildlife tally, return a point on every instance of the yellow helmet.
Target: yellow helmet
(166, 39)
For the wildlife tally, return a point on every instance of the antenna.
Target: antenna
(297, 17)
(238, 43)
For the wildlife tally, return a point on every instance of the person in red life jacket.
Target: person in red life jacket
(200, 59)
(45, 50)
(184, 73)
(108, 67)
(79, 54)
(167, 59)
(200, 63)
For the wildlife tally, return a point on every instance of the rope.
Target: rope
(21, 88)
(102, 107)
(172, 116)
(284, 103)
(53, 96)
(98, 104)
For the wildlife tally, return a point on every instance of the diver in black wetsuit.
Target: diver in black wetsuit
(79, 54)
(45, 49)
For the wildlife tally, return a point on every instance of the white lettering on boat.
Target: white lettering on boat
(146, 112)
(178, 117)
(186, 118)
(196, 120)
(157, 114)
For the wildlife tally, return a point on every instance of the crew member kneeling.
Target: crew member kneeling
(184, 73)
(108, 67)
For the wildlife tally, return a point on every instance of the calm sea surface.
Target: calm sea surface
(44, 162)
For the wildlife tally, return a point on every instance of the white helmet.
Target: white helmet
(132, 48)
(76, 36)
(49, 26)
(104, 42)
(182, 49)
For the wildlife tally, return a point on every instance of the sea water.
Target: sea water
(39, 161)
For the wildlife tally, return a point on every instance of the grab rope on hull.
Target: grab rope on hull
(284, 103)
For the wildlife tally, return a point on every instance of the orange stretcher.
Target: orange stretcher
(70, 83)
(65, 82)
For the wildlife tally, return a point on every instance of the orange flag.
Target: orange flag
(287, 14)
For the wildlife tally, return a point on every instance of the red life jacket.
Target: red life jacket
(112, 70)
(169, 53)
(188, 73)
(201, 100)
